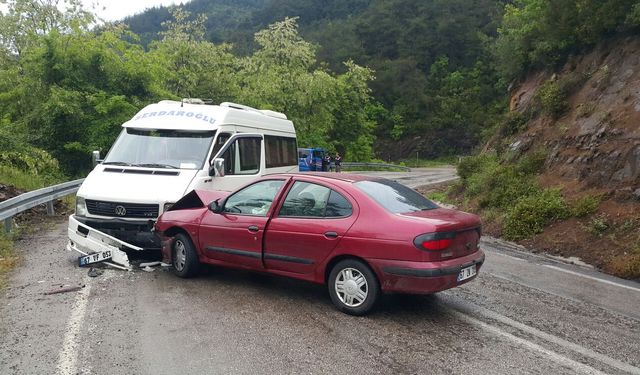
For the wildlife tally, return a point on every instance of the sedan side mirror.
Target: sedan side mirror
(216, 206)
(217, 169)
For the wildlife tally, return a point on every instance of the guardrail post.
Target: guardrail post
(8, 224)
(50, 209)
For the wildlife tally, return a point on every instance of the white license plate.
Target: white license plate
(467, 272)
(94, 258)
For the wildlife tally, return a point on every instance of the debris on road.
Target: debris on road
(95, 272)
(64, 290)
(148, 269)
(150, 264)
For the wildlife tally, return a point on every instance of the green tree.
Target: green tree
(537, 34)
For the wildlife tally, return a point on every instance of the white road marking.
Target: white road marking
(593, 278)
(559, 359)
(508, 256)
(461, 309)
(68, 356)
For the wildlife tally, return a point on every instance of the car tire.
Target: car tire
(184, 257)
(353, 287)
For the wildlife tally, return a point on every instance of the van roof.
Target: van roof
(175, 115)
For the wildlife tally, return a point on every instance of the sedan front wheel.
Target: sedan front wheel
(353, 287)
(185, 257)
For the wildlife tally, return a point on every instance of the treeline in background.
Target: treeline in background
(371, 79)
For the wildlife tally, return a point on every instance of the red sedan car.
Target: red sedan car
(359, 235)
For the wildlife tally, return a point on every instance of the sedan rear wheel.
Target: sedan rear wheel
(353, 287)
(185, 258)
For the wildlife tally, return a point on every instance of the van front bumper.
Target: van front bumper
(135, 232)
(87, 240)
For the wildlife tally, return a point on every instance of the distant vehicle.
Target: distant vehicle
(165, 151)
(359, 235)
(310, 159)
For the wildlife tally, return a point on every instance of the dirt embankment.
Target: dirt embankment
(593, 149)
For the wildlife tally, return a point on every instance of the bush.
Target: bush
(513, 123)
(471, 165)
(532, 162)
(598, 226)
(531, 214)
(504, 186)
(496, 184)
(585, 206)
(552, 99)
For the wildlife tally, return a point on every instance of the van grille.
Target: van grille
(115, 209)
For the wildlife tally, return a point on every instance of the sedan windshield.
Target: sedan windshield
(395, 197)
(160, 149)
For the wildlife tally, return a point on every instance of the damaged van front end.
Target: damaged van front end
(96, 246)
(166, 150)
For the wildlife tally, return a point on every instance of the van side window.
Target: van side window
(280, 151)
(242, 157)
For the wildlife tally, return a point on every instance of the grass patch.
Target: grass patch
(585, 206)
(437, 196)
(626, 266)
(23, 180)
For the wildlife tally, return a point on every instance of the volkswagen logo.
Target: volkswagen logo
(120, 211)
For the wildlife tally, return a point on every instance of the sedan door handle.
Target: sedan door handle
(331, 234)
(253, 228)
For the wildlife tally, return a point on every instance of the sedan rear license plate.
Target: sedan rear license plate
(467, 272)
(94, 258)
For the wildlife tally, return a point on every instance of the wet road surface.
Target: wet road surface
(523, 314)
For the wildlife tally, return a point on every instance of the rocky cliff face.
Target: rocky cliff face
(586, 118)
(596, 139)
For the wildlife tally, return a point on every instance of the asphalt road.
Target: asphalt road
(524, 314)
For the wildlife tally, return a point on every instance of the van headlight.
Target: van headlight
(167, 206)
(81, 207)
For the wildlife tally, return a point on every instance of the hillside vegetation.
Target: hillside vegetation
(562, 171)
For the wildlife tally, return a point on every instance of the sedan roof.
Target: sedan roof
(347, 177)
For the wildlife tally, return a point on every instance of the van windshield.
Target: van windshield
(155, 148)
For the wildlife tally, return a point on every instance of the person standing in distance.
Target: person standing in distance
(338, 161)
(325, 163)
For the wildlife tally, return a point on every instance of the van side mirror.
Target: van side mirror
(216, 206)
(217, 169)
(95, 158)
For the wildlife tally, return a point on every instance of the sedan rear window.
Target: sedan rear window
(395, 197)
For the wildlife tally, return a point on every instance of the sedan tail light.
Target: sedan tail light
(437, 241)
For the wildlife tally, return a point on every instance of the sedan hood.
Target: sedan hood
(136, 185)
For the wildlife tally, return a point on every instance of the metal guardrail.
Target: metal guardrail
(23, 202)
(375, 165)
